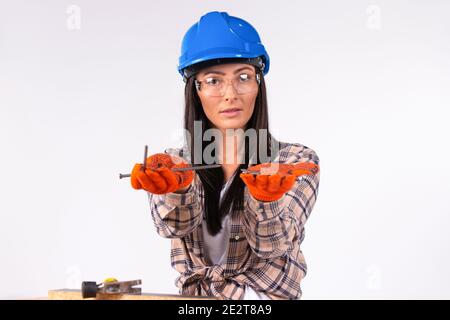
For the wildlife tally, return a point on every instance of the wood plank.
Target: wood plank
(73, 294)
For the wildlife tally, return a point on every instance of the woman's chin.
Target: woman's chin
(230, 125)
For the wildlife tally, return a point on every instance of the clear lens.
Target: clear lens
(216, 86)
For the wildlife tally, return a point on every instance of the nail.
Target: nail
(144, 164)
(313, 170)
(206, 166)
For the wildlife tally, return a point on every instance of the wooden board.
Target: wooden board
(73, 294)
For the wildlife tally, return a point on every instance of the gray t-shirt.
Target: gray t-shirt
(216, 247)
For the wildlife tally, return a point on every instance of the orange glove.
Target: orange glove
(272, 180)
(158, 178)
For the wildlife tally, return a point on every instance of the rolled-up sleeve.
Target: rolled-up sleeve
(176, 214)
(272, 228)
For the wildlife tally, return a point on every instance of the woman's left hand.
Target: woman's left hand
(270, 181)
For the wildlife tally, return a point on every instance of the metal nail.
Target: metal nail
(144, 164)
(313, 170)
(206, 166)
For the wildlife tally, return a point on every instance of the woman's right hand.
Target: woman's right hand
(158, 178)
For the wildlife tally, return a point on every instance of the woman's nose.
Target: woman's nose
(230, 91)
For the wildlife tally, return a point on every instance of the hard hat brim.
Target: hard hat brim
(205, 62)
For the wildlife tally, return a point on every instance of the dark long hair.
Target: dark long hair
(213, 179)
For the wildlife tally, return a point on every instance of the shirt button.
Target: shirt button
(236, 238)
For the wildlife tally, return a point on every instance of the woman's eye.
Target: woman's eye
(244, 77)
(212, 81)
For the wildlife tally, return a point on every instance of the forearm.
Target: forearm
(272, 227)
(176, 214)
(269, 228)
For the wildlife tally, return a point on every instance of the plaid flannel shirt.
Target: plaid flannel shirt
(264, 245)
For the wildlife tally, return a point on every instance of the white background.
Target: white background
(84, 85)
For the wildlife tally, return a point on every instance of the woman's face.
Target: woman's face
(214, 106)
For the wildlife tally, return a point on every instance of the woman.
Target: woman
(234, 235)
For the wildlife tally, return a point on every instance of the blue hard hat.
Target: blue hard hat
(220, 38)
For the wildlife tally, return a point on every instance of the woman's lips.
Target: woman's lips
(231, 113)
